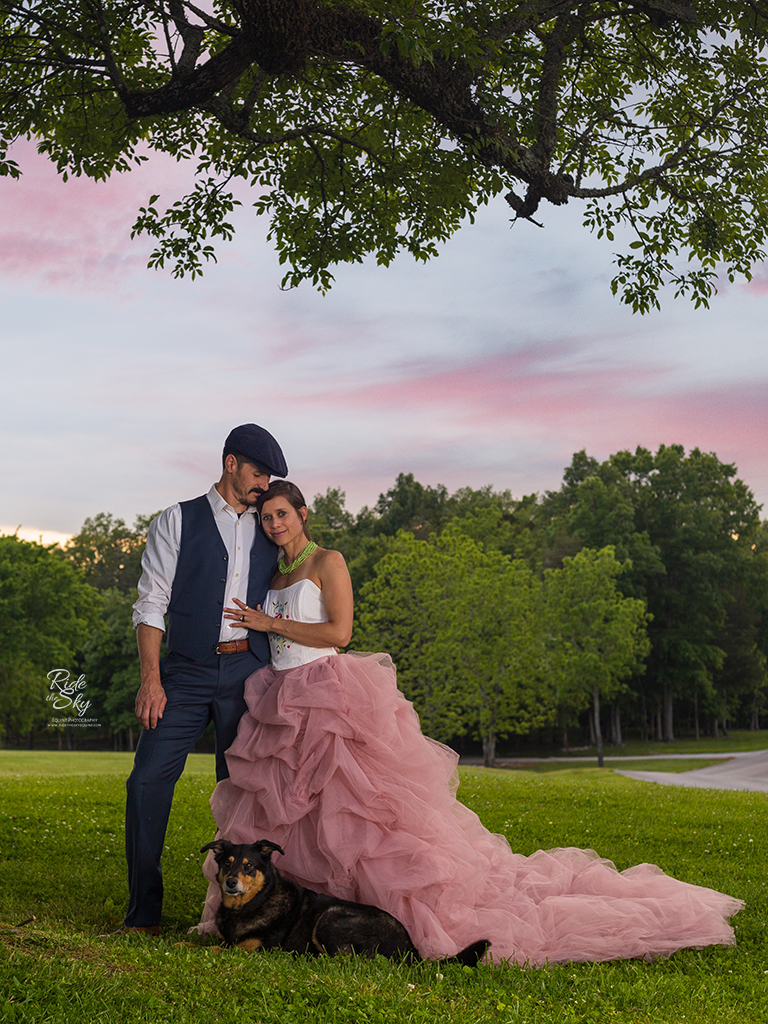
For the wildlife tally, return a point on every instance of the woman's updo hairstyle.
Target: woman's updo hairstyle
(292, 494)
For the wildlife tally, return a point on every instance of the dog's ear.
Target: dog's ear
(266, 849)
(219, 847)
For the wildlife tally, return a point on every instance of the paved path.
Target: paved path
(743, 770)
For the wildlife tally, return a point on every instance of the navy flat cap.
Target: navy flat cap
(258, 445)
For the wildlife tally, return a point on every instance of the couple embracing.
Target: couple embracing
(326, 758)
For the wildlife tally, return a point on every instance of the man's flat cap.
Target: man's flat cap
(258, 445)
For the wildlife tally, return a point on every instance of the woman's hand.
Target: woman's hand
(250, 618)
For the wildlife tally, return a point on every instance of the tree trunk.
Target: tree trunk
(754, 723)
(668, 719)
(715, 731)
(657, 724)
(616, 739)
(489, 749)
(644, 733)
(592, 737)
(130, 738)
(563, 727)
(696, 714)
(598, 732)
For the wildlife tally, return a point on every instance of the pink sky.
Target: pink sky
(491, 365)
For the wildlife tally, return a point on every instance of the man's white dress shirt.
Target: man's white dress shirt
(162, 553)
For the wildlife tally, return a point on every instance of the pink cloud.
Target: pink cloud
(547, 402)
(759, 283)
(532, 384)
(77, 231)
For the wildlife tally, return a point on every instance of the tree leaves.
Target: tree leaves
(377, 127)
(481, 644)
(46, 613)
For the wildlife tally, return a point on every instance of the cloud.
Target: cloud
(78, 231)
(492, 364)
(32, 533)
(516, 420)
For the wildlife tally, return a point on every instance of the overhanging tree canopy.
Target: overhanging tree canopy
(375, 126)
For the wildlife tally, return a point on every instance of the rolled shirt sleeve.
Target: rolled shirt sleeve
(158, 565)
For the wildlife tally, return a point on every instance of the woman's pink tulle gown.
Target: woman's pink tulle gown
(331, 764)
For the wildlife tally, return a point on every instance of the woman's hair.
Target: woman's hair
(284, 489)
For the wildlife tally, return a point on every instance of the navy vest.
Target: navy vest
(197, 594)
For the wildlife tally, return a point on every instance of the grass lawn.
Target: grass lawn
(737, 739)
(640, 764)
(55, 763)
(61, 860)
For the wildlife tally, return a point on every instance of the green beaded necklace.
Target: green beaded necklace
(302, 557)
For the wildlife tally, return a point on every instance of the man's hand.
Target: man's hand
(151, 698)
(150, 704)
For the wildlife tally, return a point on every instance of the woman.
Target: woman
(331, 764)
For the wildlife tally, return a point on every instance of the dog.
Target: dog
(262, 910)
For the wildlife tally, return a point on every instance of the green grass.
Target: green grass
(64, 762)
(61, 860)
(652, 764)
(738, 739)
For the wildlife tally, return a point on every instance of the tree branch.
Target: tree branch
(192, 37)
(114, 71)
(235, 123)
(673, 160)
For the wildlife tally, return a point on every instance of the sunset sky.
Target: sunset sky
(489, 365)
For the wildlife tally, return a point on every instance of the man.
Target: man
(200, 555)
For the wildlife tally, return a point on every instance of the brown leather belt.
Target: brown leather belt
(232, 646)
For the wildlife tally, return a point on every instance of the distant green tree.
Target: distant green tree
(330, 521)
(598, 636)
(740, 685)
(333, 526)
(409, 505)
(597, 506)
(703, 522)
(688, 527)
(47, 611)
(504, 525)
(108, 552)
(111, 665)
(464, 629)
(491, 517)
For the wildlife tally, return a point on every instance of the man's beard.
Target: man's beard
(248, 498)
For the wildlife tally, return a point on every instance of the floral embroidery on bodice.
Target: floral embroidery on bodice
(302, 602)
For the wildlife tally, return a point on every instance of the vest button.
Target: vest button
(223, 579)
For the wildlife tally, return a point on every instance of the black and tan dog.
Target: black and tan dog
(262, 910)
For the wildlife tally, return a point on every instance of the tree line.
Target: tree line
(634, 598)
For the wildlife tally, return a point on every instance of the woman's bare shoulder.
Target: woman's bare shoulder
(329, 559)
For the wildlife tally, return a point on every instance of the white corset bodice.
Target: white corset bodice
(302, 602)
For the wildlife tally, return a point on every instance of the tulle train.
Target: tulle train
(331, 764)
